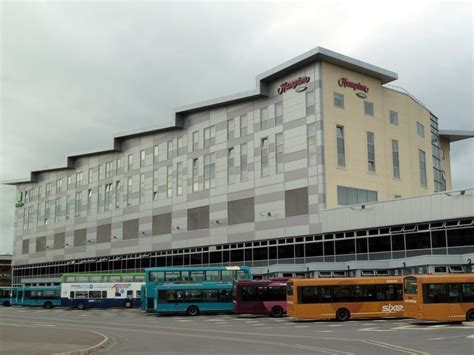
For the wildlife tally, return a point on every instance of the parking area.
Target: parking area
(132, 331)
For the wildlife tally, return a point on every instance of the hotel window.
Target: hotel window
(420, 130)
(67, 206)
(352, 196)
(179, 145)
(141, 195)
(155, 154)
(209, 136)
(338, 100)
(59, 186)
(142, 158)
(169, 149)
(393, 118)
(48, 189)
(264, 157)
(422, 160)
(47, 211)
(209, 170)
(243, 125)
(57, 210)
(118, 165)
(78, 204)
(243, 162)
(78, 179)
(231, 128)
(279, 151)
(169, 181)
(130, 162)
(230, 166)
(39, 190)
(155, 184)
(341, 154)
(69, 181)
(264, 118)
(129, 191)
(38, 214)
(90, 175)
(118, 195)
(369, 108)
(101, 172)
(89, 201)
(195, 174)
(179, 179)
(310, 102)
(195, 140)
(109, 167)
(371, 151)
(395, 160)
(30, 217)
(312, 148)
(278, 113)
(108, 197)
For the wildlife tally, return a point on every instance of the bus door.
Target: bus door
(19, 297)
(410, 297)
(454, 299)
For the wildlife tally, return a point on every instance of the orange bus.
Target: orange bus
(345, 298)
(439, 297)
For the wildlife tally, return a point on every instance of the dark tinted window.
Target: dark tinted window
(308, 294)
(468, 292)
(435, 293)
(389, 293)
(343, 293)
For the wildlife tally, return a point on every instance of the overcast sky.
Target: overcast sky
(75, 74)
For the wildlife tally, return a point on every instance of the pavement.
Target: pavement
(132, 332)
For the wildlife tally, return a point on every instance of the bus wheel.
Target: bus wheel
(277, 312)
(128, 304)
(81, 306)
(47, 305)
(470, 315)
(342, 315)
(192, 311)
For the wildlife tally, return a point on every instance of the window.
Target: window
(279, 150)
(371, 151)
(352, 196)
(69, 181)
(243, 125)
(230, 166)
(338, 100)
(130, 162)
(312, 148)
(264, 157)
(310, 101)
(48, 189)
(108, 197)
(420, 130)
(435, 293)
(39, 192)
(198, 218)
(129, 191)
(241, 211)
(117, 194)
(308, 294)
(195, 140)
(169, 181)
(179, 145)
(109, 168)
(422, 160)
(59, 186)
(89, 201)
(47, 212)
(156, 152)
(142, 158)
(195, 175)
(67, 206)
(209, 170)
(142, 188)
(341, 155)
(243, 162)
(179, 179)
(90, 175)
(155, 184)
(78, 204)
(209, 136)
(169, 149)
(296, 202)
(264, 118)
(230, 128)
(395, 160)
(368, 108)
(278, 113)
(57, 209)
(118, 165)
(393, 118)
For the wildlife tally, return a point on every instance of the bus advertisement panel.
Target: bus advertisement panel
(345, 298)
(40, 296)
(194, 299)
(262, 297)
(439, 297)
(193, 274)
(7, 296)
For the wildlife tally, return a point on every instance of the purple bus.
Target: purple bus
(263, 297)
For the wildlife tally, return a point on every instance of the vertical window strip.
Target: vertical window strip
(395, 160)
(341, 154)
(279, 151)
(311, 141)
(179, 179)
(422, 160)
(264, 157)
(243, 162)
(195, 168)
(230, 166)
(371, 151)
(169, 181)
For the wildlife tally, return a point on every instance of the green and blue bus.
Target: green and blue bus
(101, 290)
(38, 296)
(193, 274)
(194, 299)
(143, 297)
(7, 295)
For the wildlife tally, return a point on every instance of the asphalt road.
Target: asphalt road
(131, 331)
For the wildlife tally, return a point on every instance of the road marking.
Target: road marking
(326, 331)
(301, 326)
(374, 330)
(470, 336)
(334, 325)
(44, 325)
(395, 347)
(436, 338)
(323, 350)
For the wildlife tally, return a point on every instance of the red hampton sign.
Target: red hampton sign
(346, 83)
(295, 84)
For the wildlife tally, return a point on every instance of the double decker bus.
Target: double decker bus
(101, 290)
(192, 274)
(260, 297)
(7, 295)
(345, 298)
(439, 297)
(38, 296)
(194, 299)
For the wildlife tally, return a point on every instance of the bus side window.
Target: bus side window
(325, 294)
(468, 292)
(435, 293)
(138, 293)
(71, 295)
(104, 294)
(227, 275)
(213, 276)
(20, 295)
(454, 293)
(129, 293)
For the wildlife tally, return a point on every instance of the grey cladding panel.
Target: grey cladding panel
(59, 240)
(80, 237)
(198, 218)
(130, 229)
(161, 224)
(104, 232)
(40, 244)
(241, 211)
(296, 202)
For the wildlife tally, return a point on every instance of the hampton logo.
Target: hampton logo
(392, 308)
(298, 85)
(362, 89)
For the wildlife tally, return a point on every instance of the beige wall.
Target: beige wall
(356, 124)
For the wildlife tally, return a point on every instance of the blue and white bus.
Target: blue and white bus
(39, 296)
(7, 296)
(194, 299)
(101, 290)
(193, 274)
